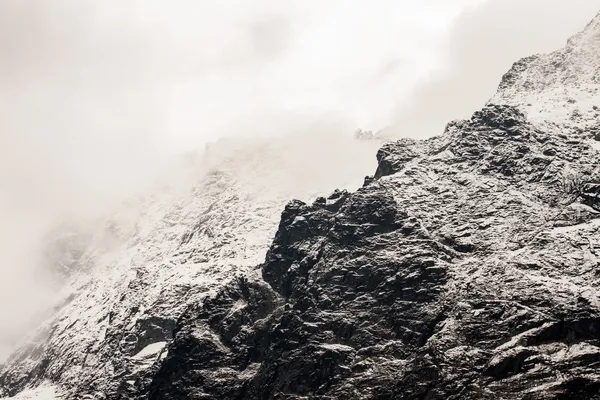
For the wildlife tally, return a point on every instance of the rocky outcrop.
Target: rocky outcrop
(456, 274)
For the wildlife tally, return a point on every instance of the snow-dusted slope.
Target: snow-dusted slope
(561, 88)
(184, 242)
(42, 392)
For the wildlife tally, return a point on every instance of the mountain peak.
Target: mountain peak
(560, 89)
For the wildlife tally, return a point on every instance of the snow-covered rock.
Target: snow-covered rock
(560, 89)
(42, 392)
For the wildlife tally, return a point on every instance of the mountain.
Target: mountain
(466, 267)
(560, 89)
(167, 250)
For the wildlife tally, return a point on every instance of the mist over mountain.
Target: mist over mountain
(149, 150)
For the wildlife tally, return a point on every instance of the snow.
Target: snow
(44, 392)
(559, 90)
(150, 350)
(337, 347)
(593, 224)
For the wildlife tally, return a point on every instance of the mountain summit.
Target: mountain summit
(467, 267)
(561, 88)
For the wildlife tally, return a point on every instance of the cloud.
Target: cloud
(88, 92)
(76, 133)
(481, 46)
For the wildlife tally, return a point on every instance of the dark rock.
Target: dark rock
(392, 157)
(397, 293)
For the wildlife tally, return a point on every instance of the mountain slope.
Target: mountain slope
(464, 271)
(186, 242)
(467, 267)
(559, 89)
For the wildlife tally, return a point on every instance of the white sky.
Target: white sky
(82, 82)
(354, 58)
(96, 93)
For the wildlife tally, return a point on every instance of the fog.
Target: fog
(96, 98)
(480, 47)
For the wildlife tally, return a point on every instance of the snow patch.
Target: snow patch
(150, 350)
(583, 207)
(45, 392)
(337, 347)
(595, 223)
(558, 90)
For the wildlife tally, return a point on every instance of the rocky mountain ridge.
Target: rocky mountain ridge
(463, 271)
(467, 267)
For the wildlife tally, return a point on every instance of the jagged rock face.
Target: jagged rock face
(467, 267)
(342, 294)
(462, 272)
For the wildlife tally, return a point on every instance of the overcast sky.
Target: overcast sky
(94, 95)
